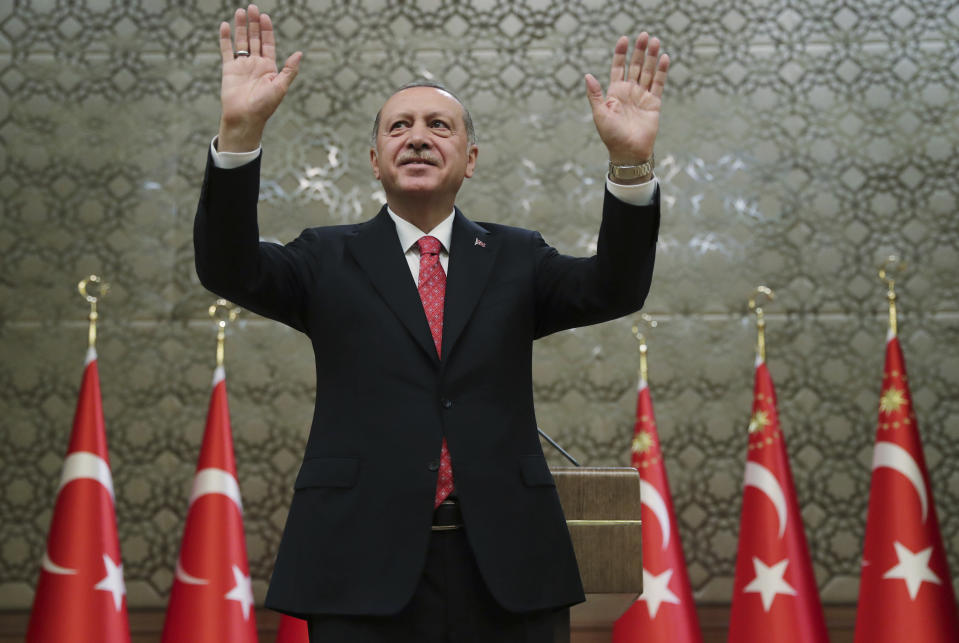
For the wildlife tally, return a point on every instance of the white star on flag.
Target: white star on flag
(113, 581)
(243, 592)
(769, 581)
(913, 567)
(656, 591)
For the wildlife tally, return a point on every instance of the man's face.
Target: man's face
(421, 145)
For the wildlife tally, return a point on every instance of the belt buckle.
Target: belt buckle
(451, 527)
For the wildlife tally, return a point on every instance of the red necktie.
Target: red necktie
(432, 288)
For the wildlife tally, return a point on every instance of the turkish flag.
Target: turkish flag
(292, 630)
(665, 612)
(81, 595)
(905, 590)
(774, 593)
(212, 597)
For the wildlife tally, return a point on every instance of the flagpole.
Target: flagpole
(222, 313)
(80, 594)
(887, 271)
(666, 611)
(213, 555)
(643, 348)
(104, 287)
(760, 318)
(775, 595)
(905, 593)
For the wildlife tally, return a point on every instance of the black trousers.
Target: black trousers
(451, 604)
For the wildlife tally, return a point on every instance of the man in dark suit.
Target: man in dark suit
(424, 509)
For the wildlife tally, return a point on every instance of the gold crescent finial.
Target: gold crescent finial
(649, 322)
(222, 312)
(754, 306)
(891, 268)
(102, 289)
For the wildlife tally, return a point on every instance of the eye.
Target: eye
(397, 125)
(439, 124)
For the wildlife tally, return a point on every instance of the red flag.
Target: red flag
(292, 630)
(774, 594)
(81, 595)
(212, 597)
(905, 590)
(665, 613)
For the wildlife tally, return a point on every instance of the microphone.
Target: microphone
(558, 448)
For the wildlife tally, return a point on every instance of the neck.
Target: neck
(422, 211)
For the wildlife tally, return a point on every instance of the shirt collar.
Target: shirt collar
(409, 234)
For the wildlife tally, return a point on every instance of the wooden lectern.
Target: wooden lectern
(602, 507)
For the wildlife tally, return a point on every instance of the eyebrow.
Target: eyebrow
(434, 114)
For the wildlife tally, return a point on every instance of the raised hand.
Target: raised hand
(251, 88)
(627, 118)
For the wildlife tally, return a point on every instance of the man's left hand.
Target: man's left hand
(627, 118)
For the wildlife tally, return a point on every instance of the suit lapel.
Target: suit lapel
(377, 249)
(472, 254)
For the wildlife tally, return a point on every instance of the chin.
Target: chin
(417, 187)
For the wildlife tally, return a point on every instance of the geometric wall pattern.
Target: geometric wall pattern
(801, 142)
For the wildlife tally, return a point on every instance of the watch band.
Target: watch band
(632, 171)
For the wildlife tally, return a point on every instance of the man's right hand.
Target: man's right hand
(251, 89)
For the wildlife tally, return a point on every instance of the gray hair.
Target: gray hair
(467, 119)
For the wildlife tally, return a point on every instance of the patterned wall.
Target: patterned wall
(801, 142)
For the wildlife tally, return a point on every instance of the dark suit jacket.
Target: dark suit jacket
(358, 528)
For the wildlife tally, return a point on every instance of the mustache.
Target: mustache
(418, 157)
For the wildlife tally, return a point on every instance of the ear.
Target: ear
(374, 165)
(471, 161)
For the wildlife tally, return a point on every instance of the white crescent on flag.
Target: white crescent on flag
(650, 496)
(184, 577)
(214, 480)
(79, 465)
(209, 481)
(893, 456)
(763, 479)
(50, 566)
(83, 464)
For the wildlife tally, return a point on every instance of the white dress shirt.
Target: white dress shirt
(409, 234)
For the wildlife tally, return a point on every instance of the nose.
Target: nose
(419, 137)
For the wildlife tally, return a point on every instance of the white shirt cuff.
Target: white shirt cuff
(639, 194)
(230, 160)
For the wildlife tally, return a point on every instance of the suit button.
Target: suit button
(447, 404)
(434, 465)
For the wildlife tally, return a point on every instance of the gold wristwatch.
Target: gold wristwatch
(632, 172)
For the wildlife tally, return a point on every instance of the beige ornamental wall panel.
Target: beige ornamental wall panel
(800, 144)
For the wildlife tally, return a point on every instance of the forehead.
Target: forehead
(421, 100)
